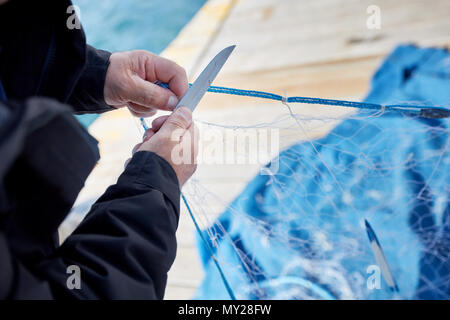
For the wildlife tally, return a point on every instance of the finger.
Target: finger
(162, 69)
(158, 122)
(178, 121)
(142, 111)
(136, 147)
(150, 95)
(118, 106)
(148, 134)
(141, 115)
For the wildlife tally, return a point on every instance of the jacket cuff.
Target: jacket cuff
(88, 96)
(149, 169)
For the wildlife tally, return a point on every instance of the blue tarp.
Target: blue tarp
(300, 233)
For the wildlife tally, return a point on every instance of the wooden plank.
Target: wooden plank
(298, 32)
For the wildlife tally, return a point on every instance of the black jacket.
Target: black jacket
(126, 244)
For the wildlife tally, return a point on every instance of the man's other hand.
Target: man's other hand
(175, 139)
(130, 82)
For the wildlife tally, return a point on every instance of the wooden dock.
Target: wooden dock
(319, 48)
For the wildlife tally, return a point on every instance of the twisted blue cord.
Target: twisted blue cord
(423, 111)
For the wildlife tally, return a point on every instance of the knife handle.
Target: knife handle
(166, 86)
(162, 84)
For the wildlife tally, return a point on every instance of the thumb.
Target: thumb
(180, 120)
(150, 95)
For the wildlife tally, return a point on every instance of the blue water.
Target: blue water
(133, 24)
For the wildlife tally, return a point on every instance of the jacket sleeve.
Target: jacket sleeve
(16, 281)
(87, 96)
(123, 248)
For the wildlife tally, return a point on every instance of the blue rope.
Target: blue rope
(423, 111)
(210, 250)
(248, 93)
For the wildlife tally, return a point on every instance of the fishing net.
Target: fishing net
(313, 175)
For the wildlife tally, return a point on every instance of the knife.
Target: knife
(202, 83)
(204, 80)
(380, 258)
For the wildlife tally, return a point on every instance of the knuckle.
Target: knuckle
(166, 139)
(148, 114)
(179, 122)
(148, 98)
(134, 113)
(181, 71)
(142, 54)
(145, 96)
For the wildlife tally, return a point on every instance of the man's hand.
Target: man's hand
(129, 82)
(175, 139)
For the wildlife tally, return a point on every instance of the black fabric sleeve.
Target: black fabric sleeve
(16, 281)
(126, 244)
(88, 96)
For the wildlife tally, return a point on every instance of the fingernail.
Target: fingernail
(173, 101)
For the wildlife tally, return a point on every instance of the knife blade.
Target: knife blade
(380, 258)
(204, 80)
(196, 92)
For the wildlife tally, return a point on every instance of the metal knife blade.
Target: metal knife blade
(204, 80)
(380, 258)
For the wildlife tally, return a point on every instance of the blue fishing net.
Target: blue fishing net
(299, 233)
